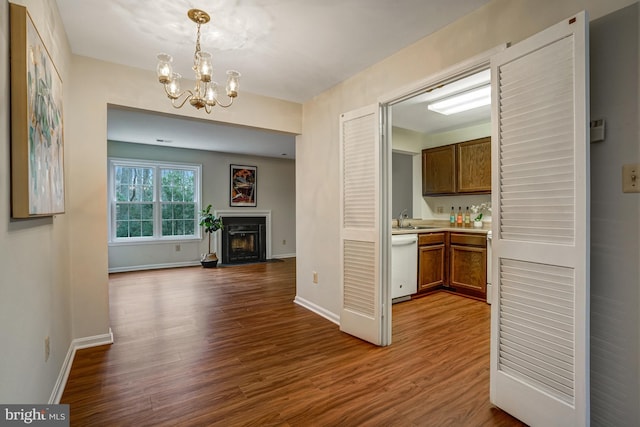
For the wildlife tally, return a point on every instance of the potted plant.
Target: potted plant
(477, 209)
(211, 224)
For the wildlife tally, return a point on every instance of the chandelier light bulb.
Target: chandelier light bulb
(164, 68)
(205, 92)
(205, 68)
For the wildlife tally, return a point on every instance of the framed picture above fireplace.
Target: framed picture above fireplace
(243, 181)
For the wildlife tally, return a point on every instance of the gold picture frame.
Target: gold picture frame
(37, 137)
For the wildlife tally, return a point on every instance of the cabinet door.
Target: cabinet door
(431, 271)
(468, 270)
(439, 170)
(474, 166)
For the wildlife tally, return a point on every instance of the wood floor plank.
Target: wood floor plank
(228, 347)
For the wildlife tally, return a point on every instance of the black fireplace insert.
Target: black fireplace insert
(243, 239)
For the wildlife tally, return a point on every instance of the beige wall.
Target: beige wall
(35, 290)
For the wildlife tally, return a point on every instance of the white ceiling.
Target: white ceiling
(287, 49)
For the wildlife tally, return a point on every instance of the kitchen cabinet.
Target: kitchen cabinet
(457, 168)
(468, 264)
(474, 166)
(439, 170)
(431, 261)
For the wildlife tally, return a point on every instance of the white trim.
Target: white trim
(76, 344)
(247, 213)
(332, 317)
(293, 255)
(154, 266)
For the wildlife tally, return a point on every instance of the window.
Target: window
(152, 201)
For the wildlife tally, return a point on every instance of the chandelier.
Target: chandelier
(205, 93)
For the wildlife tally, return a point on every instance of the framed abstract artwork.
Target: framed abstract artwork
(37, 137)
(243, 185)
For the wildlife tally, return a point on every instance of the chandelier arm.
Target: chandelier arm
(173, 99)
(225, 105)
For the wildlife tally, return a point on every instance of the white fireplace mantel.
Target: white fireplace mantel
(247, 213)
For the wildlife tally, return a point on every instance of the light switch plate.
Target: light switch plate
(631, 178)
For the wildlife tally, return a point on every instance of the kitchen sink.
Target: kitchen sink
(417, 227)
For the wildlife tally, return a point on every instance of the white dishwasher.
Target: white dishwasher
(404, 266)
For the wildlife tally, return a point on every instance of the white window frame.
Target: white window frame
(157, 216)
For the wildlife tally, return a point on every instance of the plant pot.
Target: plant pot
(209, 264)
(209, 260)
(477, 224)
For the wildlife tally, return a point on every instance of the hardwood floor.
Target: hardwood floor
(228, 347)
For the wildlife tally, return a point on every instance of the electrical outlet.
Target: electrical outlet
(631, 178)
(47, 348)
(178, 248)
(315, 277)
(440, 209)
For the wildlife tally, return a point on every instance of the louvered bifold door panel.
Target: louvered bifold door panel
(360, 235)
(537, 326)
(540, 187)
(537, 193)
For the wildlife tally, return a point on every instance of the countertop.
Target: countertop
(437, 225)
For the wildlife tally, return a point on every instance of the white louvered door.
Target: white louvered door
(361, 313)
(540, 197)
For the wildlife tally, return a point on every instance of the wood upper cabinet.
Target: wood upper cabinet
(439, 170)
(474, 166)
(468, 264)
(457, 168)
(431, 261)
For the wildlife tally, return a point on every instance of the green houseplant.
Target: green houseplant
(211, 224)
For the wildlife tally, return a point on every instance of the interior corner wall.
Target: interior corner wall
(317, 156)
(35, 278)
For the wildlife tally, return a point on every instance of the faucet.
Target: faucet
(401, 217)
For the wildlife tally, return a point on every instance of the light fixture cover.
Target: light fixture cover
(478, 97)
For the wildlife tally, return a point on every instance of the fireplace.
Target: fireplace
(243, 239)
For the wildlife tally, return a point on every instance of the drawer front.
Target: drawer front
(468, 239)
(430, 239)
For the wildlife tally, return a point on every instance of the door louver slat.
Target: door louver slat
(359, 165)
(536, 325)
(536, 151)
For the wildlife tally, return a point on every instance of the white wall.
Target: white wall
(35, 291)
(615, 221)
(317, 157)
(275, 192)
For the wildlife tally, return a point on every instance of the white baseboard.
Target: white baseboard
(332, 317)
(293, 255)
(153, 266)
(76, 344)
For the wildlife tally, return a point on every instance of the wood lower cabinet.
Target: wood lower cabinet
(468, 264)
(431, 261)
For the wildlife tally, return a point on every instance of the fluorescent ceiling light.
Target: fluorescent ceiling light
(464, 101)
(482, 78)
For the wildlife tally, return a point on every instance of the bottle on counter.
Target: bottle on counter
(467, 217)
(452, 216)
(459, 216)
